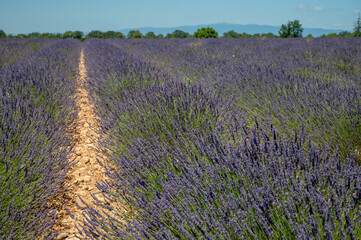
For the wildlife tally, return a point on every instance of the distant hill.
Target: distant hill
(225, 27)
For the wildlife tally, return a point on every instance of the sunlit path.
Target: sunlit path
(83, 176)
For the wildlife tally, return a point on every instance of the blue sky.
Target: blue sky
(24, 16)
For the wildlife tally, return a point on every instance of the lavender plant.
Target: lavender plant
(266, 190)
(12, 50)
(36, 108)
(186, 161)
(295, 84)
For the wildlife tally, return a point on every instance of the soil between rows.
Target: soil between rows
(83, 175)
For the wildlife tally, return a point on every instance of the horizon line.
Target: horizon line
(179, 26)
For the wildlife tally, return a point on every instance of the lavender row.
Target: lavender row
(185, 163)
(294, 83)
(36, 108)
(12, 50)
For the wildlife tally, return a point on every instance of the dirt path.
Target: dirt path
(82, 177)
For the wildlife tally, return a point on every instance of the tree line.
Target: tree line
(291, 29)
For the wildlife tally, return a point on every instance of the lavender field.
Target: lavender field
(205, 139)
(36, 107)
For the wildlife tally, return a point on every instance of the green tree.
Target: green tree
(245, 35)
(332, 35)
(58, 35)
(20, 35)
(231, 34)
(2, 34)
(34, 35)
(47, 35)
(135, 34)
(268, 35)
(207, 32)
(292, 29)
(119, 35)
(357, 27)
(345, 34)
(150, 35)
(94, 34)
(78, 34)
(180, 34)
(111, 34)
(68, 34)
(160, 36)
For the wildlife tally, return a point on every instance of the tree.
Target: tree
(207, 32)
(68, 34)
(150, 35)
(119, 35)
(78, 34)
(160, 36)
(20, 35)
(292, 29)
(268, 35)
(231, 34)
(94, 34)
(180, 34)
(34, 35)
(58, 35)
(245, 35)
(112, 34)
(357, 27)
(332, 35)
(2, 34)
(109, 34)
(135, 34)
(345, 34)
(47, 35)
(169, 35)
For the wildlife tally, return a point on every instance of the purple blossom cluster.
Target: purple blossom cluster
(36, 108)
(12, 50)
(208, 140)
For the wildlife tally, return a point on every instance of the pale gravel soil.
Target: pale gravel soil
(83, 175)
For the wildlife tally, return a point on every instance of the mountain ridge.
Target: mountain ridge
(225, 27)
